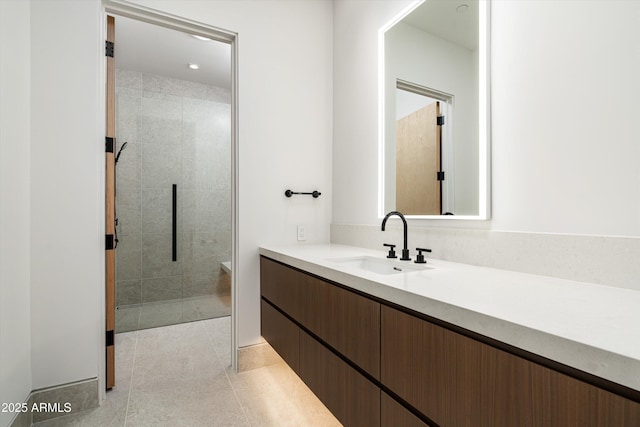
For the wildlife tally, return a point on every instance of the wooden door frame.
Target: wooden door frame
(155, 17)
(110, 211)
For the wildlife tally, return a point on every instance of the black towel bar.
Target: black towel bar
(315, 194)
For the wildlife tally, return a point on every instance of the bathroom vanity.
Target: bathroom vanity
(451, 344)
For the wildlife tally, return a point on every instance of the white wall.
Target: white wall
(285, 118)
(15, 308)
(560, 163)
(67, 192)
(52, 196)
(355, 107)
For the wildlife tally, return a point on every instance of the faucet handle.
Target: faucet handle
(392, 253)
(420, 257)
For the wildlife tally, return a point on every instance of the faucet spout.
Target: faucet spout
(405, 250)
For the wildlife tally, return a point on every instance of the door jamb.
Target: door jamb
(155, 17)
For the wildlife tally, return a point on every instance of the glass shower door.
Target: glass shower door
(173, 201)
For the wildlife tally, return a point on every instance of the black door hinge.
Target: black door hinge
(110, 242)
(440, 120)
(110, 144)
(109, 48)
(440, 176)
(109, 339)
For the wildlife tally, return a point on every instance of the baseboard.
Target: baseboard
(257, 356)
(57, 401)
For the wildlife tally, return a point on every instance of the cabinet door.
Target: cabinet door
(279, 284)
(348, 322)
(281, 333)
(354, 400)
(420, 364)
(457, 381)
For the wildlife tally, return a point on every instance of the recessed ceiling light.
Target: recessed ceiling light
(194, 66)
(462, 8)
(204, 39)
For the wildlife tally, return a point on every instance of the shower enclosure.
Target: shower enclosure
(173, 201)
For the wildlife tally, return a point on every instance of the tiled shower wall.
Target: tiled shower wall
(178, 132)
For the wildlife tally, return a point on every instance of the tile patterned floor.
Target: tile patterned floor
(180, 375)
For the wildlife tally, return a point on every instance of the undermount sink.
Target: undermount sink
(379, 265)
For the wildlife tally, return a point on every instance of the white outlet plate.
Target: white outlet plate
(302, 233)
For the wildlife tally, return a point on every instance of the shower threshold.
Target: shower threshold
(162, 313)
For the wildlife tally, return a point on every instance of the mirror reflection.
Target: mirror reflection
(432, 144)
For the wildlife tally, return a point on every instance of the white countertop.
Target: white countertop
(590, 327)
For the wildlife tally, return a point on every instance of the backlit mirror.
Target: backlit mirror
(434, 134)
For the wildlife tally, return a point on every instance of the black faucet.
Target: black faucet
(405, 250)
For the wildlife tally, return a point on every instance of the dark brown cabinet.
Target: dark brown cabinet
(282, 334)
(343, 324)
(280, 285)
(348, 322)
(393, 414)
(375, 365)
(353, 399)
(458, 381)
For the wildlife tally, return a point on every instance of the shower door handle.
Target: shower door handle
(174, 224)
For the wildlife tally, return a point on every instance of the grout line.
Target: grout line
(139, 320)
(206, 330)
(235, 393)
(214, 343)
(133, 367)
(226, 373)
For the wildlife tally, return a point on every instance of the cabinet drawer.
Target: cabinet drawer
(392, 414)
(348, 322)
(457, 381)
(280, 285)
(354, 400)
(281, 333)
